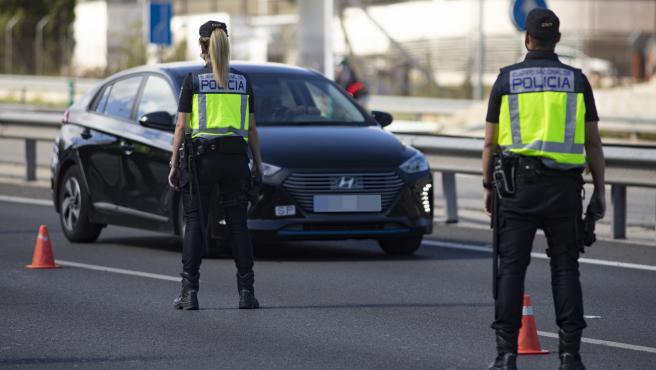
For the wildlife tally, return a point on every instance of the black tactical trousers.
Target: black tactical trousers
(552, 203)
(231, 173)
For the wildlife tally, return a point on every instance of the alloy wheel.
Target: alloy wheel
(71, 203)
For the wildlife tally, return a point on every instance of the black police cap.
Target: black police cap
(206, 29)
(543, 24)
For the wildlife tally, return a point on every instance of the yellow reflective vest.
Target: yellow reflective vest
(219, 111)
(542, 113)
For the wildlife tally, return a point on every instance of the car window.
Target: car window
(122, 96)
(284, 100)
(157, 96)
(331, 103)
(102, 100)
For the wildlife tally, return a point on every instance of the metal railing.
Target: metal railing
(626, 165)
(22, 125)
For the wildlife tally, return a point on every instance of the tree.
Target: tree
(57, 37)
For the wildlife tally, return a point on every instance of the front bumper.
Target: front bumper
(411, 212)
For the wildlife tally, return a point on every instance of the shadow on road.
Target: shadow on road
(166, 243)
(308, 251)
(83, 360)
(355, 306)
(349, 250)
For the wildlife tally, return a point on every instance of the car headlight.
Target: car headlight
(269, 169)
(416, 163)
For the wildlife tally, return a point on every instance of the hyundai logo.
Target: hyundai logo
(346, 183)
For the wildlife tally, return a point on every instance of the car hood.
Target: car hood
(317, 147)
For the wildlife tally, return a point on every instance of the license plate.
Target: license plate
(282, 211)
(347, 203)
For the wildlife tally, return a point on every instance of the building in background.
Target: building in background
(108, 35)
(394, 45)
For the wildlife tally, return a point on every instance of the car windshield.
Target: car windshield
(290, 100)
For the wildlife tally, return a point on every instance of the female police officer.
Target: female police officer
(216, 113)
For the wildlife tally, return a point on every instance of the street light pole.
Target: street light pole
(480, 53)
(38, 44)
(9, 47)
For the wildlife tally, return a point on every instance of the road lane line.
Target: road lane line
(22, 200)
(606, 343)
(589, 261)
(177, 279)
(118, 271)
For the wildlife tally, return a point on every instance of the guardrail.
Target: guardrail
(28, 126)
(626, 165)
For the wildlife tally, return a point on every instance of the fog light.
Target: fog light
(426, 197)
(288, 210)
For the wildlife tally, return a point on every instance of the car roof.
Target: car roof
(178, 70)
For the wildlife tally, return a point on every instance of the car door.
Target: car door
(102, 148)
(147, 166)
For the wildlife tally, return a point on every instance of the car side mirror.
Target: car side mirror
(158, 120)
(383, 118)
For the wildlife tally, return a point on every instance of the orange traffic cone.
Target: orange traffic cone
(42, 258)
(529, 343)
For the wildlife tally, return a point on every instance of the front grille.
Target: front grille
(304, 186)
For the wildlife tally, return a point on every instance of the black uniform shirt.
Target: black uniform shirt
(187, 91)
(494, 105)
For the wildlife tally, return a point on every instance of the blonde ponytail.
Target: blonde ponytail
(219, 52)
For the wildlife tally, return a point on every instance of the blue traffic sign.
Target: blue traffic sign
(519, 9)
(159, 30)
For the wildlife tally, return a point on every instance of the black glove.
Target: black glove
(589, 221)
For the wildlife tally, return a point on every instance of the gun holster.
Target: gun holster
(503, 174)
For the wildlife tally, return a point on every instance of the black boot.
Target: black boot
(188, 298)
(506, 351)
(569, 345)
(246, 291)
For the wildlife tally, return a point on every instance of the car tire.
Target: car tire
(401, 246)
(74, 209)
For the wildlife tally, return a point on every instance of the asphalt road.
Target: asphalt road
(326, 305)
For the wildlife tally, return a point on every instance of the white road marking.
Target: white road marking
(589, 261)
(177, 279)
(592, 317)
(31, 201)
(606, 343)
(118, 271)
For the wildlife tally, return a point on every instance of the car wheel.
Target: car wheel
(401, 246)
(74, 206)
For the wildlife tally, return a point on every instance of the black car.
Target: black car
(331, 171)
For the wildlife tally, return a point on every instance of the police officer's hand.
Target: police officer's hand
(598, 205)
(174, 178)
(257, 171)
(487, 201)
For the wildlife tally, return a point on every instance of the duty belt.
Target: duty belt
(535, 166)
(228, 145)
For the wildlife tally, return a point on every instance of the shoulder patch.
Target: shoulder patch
(207, 84)
(538, 79)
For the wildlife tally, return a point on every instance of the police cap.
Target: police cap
(206, 29)
(543, 24)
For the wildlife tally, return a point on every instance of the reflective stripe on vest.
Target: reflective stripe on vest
(541, 121)
(220, 112)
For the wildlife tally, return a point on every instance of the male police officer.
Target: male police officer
(542, 116)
